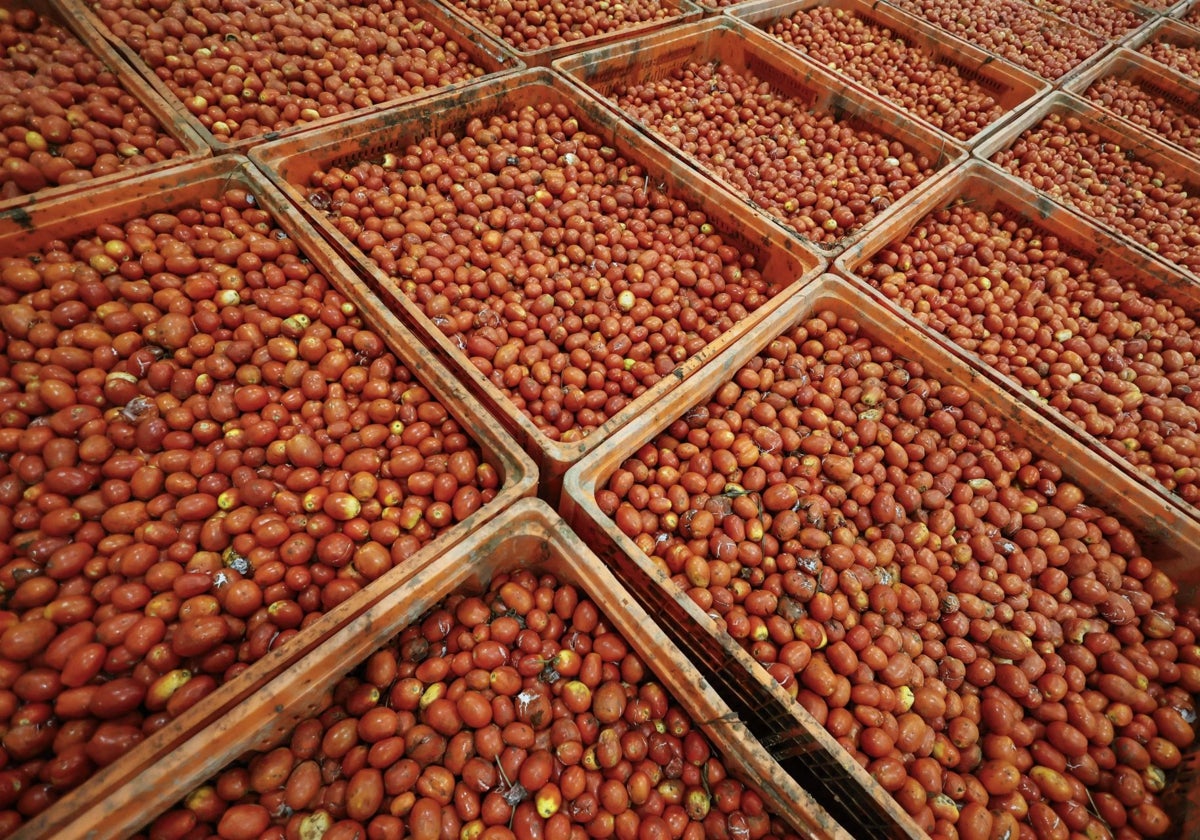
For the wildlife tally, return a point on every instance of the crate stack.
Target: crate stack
(789, 404)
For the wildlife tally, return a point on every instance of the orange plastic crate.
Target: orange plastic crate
(527, 536)
(729, 42)
(1020, 25)
(493, 57)
(1177, 167)
(1179, 95)
(673, 12)
(781, 260)
(193, 146)
(68, 217)
(1113, 20)
(1012, 87)
(1173, 33)
(803, 746)
(987, 189)
(1188, 12)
